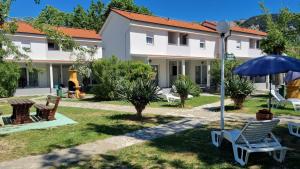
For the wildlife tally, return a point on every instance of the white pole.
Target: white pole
(51, 77)
(222, 81)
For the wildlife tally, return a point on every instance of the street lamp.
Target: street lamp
(222, 28)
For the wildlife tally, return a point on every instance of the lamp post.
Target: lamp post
(222, 28)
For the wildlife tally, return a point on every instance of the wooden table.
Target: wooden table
(21, 110)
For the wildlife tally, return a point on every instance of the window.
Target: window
(238, 44)
(202, 44)
(150, 39)
(172, 38)
(52, 46)
(174, 70)
(183, 38)
(257, 44)
(254, 44)
(201, 74)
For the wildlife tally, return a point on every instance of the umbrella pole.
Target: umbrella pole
(270, 95)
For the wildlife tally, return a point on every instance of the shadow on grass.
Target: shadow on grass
(198, 141)
(114, 129)
(146, 119)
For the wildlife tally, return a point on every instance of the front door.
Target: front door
(175, 71)
(201, 75)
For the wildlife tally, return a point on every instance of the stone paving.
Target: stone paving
(67, 156)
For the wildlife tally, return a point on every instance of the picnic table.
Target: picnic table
(21, 110)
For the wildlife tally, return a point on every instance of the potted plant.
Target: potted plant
(264, 114)
(238, 89)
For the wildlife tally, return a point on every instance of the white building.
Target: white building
(49, 62)
(173, 47)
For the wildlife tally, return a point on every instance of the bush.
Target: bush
(238, 89)
(184, 87)
(109, 72)
(10, 74)
(139, 93)
(215, 70)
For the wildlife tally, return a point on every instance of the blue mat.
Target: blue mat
(61, 120)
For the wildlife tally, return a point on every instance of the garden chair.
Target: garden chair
(281, 101)
(48, 111)
(294, 129)
(256, 136)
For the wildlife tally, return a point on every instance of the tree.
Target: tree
(95, 12)
(238, 89)
(139, 93)
(53, 16)
(127, 5)
(79, 18)
(9, 78)
(283, 33)
(184, 87)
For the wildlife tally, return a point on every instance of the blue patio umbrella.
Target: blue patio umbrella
(291, 76)
(268, 65)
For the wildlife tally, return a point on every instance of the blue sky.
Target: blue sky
(189, 10)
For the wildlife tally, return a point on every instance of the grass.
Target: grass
(190, 103)
(92, 125)
(255, 103)
(188, 150)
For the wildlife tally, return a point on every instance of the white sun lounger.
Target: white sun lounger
(281, 101)
(294, 129)
(256, 136)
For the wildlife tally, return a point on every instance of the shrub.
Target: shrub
(139, 93)
(184, 87)
(215, 70)
(238, 89)
(108, 73)
(9, 78)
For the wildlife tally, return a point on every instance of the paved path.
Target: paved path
(205, 112)
(67, 156)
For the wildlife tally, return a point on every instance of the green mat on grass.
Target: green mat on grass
(61, 120)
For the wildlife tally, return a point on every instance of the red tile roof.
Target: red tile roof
(24, 27)
(162, 21)
(212, 25)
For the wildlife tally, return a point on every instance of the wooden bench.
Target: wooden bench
(48, 111)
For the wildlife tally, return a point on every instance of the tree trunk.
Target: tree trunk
(182, 99)
(139, 110)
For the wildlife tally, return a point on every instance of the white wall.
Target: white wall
(161, 47)
(115, 37)
(245, 51)
(39, 48)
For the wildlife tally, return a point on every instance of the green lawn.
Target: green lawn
(255, 103)
(190, 103)
(92, 125)
(191, 149)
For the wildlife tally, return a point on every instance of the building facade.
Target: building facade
(174, 47)
(49, 64)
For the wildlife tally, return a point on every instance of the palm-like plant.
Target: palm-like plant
(238, 89)
(139, 93)
(184, 87)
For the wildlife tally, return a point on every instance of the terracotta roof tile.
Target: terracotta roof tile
(162, 21)
(24, 27)
(212, 25)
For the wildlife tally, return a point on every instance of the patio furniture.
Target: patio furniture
(48, 111)
(21, 110)
(294, 129)
(281, 101)
(256, 136)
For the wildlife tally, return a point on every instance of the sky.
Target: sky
(188, 10)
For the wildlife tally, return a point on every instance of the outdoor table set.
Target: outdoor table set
(21, 110)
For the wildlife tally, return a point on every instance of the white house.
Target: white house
(49, 62)
(173, 47)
